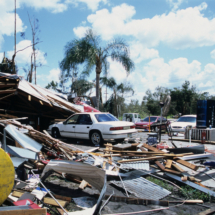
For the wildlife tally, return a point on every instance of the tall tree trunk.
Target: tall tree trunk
(97, 90)
(98, 72)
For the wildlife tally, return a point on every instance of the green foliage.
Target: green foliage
(92, 54)
(52, 85)
(81, 86)
(191, 193)
(186, 192)
(151, 100)
(115, 103)
(6, 66)
(183, 98)
(161, 183)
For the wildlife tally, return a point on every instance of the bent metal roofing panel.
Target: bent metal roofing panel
(46, 95)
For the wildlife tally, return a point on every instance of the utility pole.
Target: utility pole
(14, 55)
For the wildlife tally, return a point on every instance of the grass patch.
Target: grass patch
(186, 192)
(161, 183)
(191, 193)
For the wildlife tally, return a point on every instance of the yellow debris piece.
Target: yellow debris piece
(7, 175)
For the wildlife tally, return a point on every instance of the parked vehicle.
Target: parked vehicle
(96, 127)
(144, 124)
(131, 117)
(183, 122)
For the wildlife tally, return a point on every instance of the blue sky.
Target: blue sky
(170, 40)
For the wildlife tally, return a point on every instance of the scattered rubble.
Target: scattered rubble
(54, 177)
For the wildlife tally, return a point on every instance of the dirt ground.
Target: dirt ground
(62, 186)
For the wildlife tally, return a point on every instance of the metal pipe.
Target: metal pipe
(48, 191)
(123, 185)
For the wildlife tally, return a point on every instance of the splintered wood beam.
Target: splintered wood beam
(140, 159)
(7, 91)
(7, 84)
(162, 167)
(8, 96)
(187, 164)
(51, 201)
(177, 167)
(168, 164)
(151, 148)
(38, 211)
(8, 116)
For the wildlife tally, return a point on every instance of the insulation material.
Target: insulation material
(93, 175)
(25, 141)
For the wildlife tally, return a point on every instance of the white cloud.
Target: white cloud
(80, 31)
(170, 74)
(24, 57)
(7, 20)
(139, 52)
(55, 6)
(175, 4)
(54, 75)
(207, 84)
(213, 54)
(186, 28)
(91, 4)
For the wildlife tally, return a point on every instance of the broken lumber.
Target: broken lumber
(187, 164)
(51, 201)
(65, 198)
(151, 148)
(194, 201)
(177, 167)
(162, 167)
(140, 159)
(83, 184)
(168, 164)
(208, 211)
(38, 211)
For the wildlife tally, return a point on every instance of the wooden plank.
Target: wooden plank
(162, 167)
(7, 91)
(187, 164)
(45, 132)
(13, 94)
(51, 201)
(83, 184)
(65, 198)
(194, 201)
(168, 164)
(208, 211)
(39, 211)
(177, 167)
(17, 193)
(140, 159)
(151, 148)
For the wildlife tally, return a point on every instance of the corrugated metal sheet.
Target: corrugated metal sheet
(142, 165)
(142, 188)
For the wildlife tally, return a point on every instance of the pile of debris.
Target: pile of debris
(30, 158)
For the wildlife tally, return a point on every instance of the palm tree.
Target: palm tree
(88, 50)
(117, 97)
